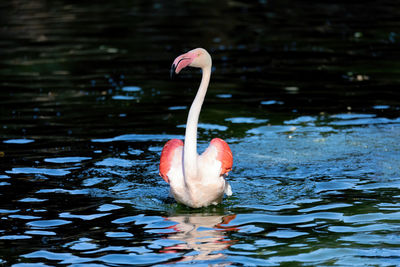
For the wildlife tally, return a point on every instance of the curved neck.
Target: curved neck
(190, 148)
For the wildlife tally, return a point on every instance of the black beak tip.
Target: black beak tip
(172, 71)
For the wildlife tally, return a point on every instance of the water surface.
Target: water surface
(305, 94)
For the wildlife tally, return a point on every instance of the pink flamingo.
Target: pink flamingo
(196, 180)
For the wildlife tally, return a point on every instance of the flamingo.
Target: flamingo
(196, 180)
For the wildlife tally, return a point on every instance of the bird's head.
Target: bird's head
(198, 58)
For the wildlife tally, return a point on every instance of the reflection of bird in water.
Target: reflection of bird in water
(196, 180)
(201, 233)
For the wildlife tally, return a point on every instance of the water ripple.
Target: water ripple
(6, 211)
(64, 191)
(108, 207)
(334, 254)
(366, 228)
(115, 162)
(286, 234)
(242, 219)
(372, 239)
(131, 89)
(40, 232)
(246, 120)
(372, 217)
(139, 138)
(141, 259)
(24, 217)
(69, 257)
(325, 207)
(66, 159)
(18, 141)
(15, 237)
(123, 97)
(83, 217)
(30, 170)
(32, 199)
(119, 234)
(271, 207)
(48, 223)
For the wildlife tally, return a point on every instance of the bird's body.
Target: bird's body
(196, 180)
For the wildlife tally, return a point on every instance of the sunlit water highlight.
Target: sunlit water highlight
(296, 185)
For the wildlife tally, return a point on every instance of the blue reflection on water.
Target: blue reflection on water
(289, 183)
(18, 141)
(31, 170)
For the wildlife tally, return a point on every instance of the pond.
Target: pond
(305, 93)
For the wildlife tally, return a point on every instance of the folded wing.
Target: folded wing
(224, 155)
(167, 155)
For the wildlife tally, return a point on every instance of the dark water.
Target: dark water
(306, 93)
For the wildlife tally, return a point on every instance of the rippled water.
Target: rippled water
(306, 94)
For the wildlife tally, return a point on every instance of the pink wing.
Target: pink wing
(224, 154)
(167, 156)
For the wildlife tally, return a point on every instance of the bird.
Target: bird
(196, 180)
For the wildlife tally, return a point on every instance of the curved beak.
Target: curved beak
(181, 62)
(172, 71)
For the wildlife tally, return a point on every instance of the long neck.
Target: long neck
(190, 148)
